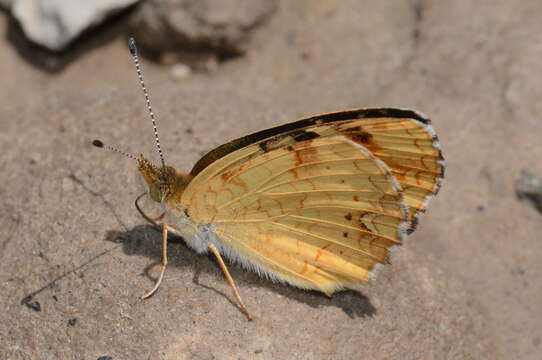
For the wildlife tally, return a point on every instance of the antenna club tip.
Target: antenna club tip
(132, 46)
(98, 143)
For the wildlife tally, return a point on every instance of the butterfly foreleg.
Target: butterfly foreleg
(230, 280)
(152, 220)
(165, 229)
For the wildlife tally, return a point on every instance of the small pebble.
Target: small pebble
(529, 187)
(180, 71)
(34, 305)
(307, 54)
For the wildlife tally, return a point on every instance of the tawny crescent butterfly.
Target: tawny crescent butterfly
(317, 203)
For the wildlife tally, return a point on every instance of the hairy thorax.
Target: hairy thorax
(196, 236)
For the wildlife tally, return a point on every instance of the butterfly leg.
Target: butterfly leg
(152, 220)
(165, 229)
(230, 280)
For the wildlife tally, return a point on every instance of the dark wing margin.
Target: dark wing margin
(368, 113)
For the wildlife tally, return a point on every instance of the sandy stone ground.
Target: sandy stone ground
(466, 285)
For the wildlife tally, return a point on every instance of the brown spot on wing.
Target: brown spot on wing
(305, 154)
(348, 216)
(319, 252)
(227, 175)
(304, 268)
(356, 129)
(304, 135)
(294, 173)
(270, 143)
(361, 138)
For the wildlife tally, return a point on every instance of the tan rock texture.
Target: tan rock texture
(220, 27)
(466, 285)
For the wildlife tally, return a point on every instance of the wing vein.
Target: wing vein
(308, 178)
(235, 221)
(328, 190)
(312, 220)
(277, 264)
(257, 189)
(328, 240)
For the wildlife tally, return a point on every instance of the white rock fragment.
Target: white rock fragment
(180, 71)
(55, 23)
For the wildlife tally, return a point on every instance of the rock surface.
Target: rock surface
(54, 24)
(466, 285)
(529, 187)
(216, 26)
(6, 4)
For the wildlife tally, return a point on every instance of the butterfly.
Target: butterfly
(318, 203)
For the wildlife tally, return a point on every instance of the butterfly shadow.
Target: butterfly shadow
(146, 240)
(353, 303)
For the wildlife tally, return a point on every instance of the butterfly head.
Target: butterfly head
(164, 182)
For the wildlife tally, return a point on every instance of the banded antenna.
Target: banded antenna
(100, 144)
(133, 51)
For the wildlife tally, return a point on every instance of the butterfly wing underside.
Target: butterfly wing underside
(320, 202)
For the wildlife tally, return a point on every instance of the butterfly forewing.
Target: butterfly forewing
(403, 139)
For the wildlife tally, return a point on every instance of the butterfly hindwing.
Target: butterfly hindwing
(319, 213)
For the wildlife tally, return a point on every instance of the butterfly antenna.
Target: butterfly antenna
(100, 144)
(133, 51)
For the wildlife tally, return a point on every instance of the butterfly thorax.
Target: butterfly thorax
(165, 183)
